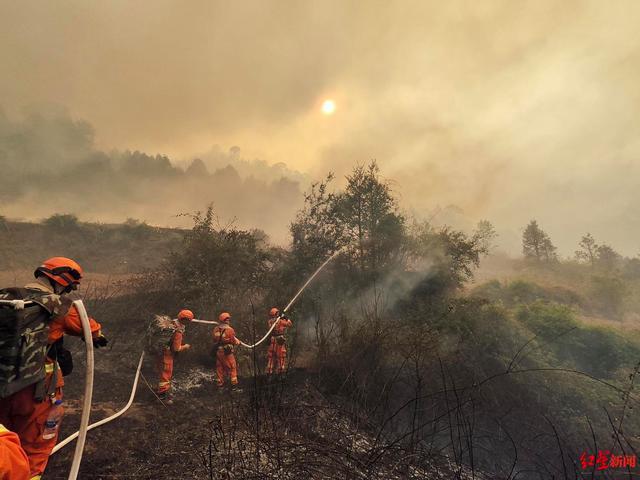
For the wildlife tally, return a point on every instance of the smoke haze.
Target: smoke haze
(507, 110)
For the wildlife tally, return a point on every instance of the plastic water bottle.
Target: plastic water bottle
(53, 420)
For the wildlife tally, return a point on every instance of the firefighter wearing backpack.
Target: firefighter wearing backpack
(224, 337)
(168, 352)
(277, 352)
(14, 464)
(32, 346)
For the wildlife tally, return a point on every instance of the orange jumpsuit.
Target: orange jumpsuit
(14, 464)
(21, 412)
(278, 351)
(225, 335)
(165, 359)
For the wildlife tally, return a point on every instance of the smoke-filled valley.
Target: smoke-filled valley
(53, 167)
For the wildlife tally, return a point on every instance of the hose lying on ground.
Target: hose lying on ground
(72, 437)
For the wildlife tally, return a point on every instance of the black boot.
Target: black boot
(166, 398)
(236, 389)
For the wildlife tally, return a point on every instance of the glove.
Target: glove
(65, 361)
(184, 347)
(283, 317)
(100, 341)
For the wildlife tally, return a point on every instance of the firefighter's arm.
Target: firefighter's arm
(232, 337)
(286, 322)
(14, 463)
(72, 325)
(177, 345)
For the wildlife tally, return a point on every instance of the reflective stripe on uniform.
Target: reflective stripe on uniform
(37, 477)
(48, 367)
(3, 429)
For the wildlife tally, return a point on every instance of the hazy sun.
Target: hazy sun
(328, 107)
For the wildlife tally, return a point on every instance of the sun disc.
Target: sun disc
(328, 107)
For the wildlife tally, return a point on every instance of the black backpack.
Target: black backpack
(25, 315)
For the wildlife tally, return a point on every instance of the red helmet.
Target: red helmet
(61, 270)
(185, 315)
(274, 312)
(224, 317)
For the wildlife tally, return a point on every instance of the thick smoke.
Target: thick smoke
(51, 166)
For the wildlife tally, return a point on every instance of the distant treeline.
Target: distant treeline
(49, 164)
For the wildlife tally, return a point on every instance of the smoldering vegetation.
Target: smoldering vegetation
(53, 167)
(398, 369)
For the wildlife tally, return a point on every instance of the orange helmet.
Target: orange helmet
(62, 270)
(224, 317)
(185, 315)
(274, 312)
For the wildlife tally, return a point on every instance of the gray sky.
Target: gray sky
(509, 110)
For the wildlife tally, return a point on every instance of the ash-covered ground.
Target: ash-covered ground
(285, 429)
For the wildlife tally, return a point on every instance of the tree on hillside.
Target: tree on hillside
(369, 215)
(536, 244)
(588, 249)
(62, 221)
(317, 230)
(486, 234)
(451, 255)
(212, 265)
(632, 268)
(607, 258)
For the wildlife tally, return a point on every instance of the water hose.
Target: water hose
(88, 391)
(306, 284)
(266, 335)
(212, 322)
(209, 322)
(72, 437)
(335, 254)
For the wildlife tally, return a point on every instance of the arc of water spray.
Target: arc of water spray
(284, 310)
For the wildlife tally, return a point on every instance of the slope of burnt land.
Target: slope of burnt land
(285, 429)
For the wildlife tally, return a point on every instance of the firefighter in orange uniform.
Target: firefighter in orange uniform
(165, 360)
(14, 464)
(26, 410)
(224, 337)
(277, 352)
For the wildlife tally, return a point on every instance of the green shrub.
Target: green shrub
(62, 221)
(608, 294)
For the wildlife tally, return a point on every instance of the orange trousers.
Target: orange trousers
(21, 414)
(14, 464)
(276, 354)
(226, 365)
(165, 368)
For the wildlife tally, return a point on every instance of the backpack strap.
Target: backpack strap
(41, 392)
(221, 329)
